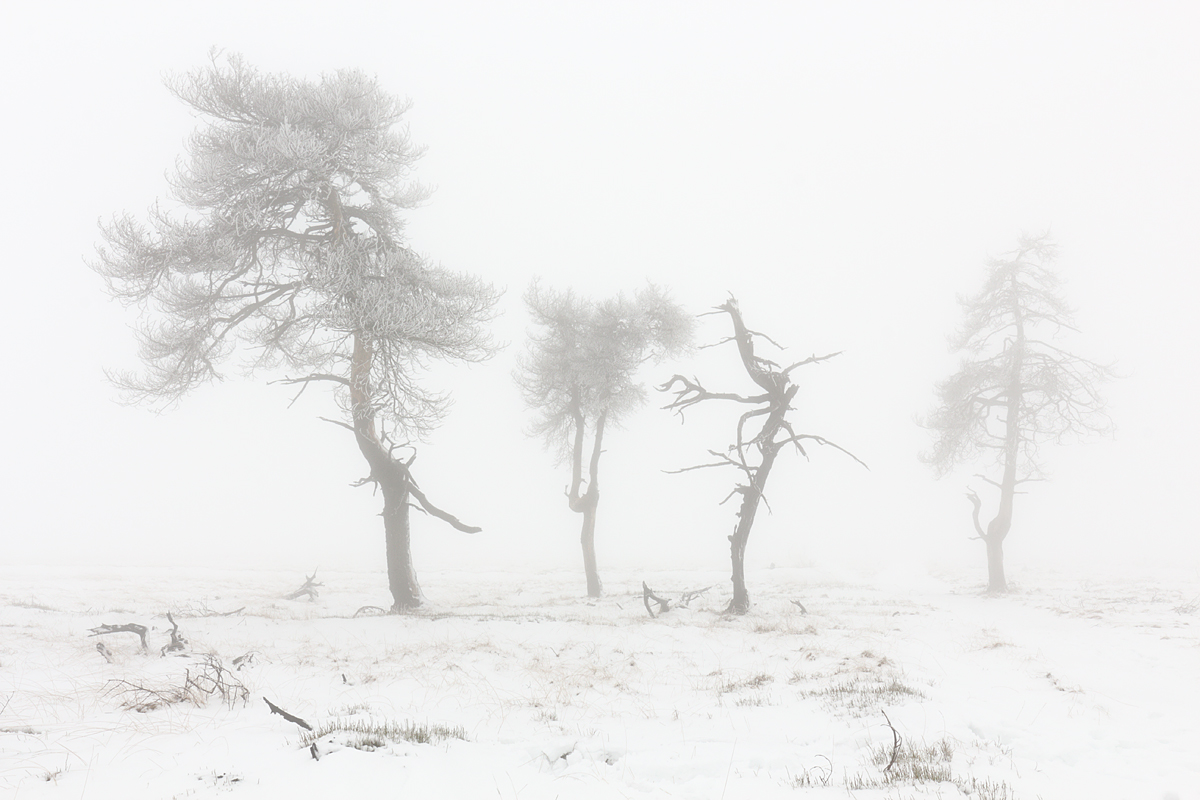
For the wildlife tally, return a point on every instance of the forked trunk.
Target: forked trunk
(587, 502)
(997, 531)
(394, 481)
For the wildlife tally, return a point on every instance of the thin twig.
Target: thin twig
(895, 742)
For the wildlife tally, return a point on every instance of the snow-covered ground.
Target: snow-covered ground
(1068, 688)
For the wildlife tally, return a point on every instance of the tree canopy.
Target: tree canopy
(1012, 361)
(289, 244)
(584, 356)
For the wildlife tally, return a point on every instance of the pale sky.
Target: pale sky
(843, 168)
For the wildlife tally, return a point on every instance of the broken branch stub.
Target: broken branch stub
(177, 643)
(647, 595)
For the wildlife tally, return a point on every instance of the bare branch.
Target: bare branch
(823, 441)
(977, 505)
(813, 359)
(434, 511)
(895, 742)
(338, 379)
(691, 392)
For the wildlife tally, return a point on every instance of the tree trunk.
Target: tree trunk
(394, 481)
(402, 577)
(588, 540)
(998, 530)
(740, 603)
(751, 495)
(587, 502)
(999, 527)
(995, 557)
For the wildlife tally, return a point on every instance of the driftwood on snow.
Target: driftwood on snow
(647, 595)
(129, 627)
(309, 587)
(178, 643)
(664, 605)
(289, 717)
(243, 660)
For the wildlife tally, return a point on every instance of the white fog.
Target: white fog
(846, 171)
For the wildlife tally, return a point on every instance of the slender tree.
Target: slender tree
(288, 254)
(580, 375)
(755, 449)
(1016, 389)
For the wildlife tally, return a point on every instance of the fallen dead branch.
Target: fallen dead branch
(202, 609)
(141, 699)
(664, 604)
(289, 717)
(647, 595)
(214, 678)
(309, 587)
(177, 644)
(895, 742)
(244, 660)
(129, 627)
(1188, 607)
(207, 679)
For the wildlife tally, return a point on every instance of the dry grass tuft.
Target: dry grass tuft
(374, 734)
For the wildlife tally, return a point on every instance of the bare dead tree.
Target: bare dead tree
(1016, 388)
(762, 431)
(291, 256)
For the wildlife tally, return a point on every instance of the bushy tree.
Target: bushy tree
(580, 373)
(288, 253)
(755, 448)
(1017, 389)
